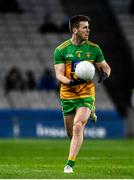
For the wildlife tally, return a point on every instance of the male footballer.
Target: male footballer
(77, 95)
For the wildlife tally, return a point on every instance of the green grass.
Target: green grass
(45, 159)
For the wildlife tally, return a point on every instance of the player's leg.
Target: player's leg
(68, 109)
(80, 120)
(93, 115)
(69, 121)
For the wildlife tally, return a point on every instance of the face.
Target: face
(83, 30)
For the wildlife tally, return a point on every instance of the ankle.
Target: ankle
(70, 163)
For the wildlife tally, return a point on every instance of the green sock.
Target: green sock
(70, 163)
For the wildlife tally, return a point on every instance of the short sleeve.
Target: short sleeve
(99, 55)
(58, 58)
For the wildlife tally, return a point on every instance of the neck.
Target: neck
(76, 41)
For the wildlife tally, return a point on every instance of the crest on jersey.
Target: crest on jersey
(88, 54)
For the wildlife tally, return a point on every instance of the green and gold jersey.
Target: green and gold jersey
(71, 55)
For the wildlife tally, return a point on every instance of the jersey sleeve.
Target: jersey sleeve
(58, 58)
(99, 55)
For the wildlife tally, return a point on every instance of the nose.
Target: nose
(88, 29)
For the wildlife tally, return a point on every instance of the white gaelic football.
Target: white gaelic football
(85, 70)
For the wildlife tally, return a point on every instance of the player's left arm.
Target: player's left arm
(104, 70)
(103, 66)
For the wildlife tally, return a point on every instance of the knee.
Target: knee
(70, 134)
(78, 128)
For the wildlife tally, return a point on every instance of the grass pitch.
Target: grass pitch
(45, 159)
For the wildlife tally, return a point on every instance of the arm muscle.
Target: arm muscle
(60, 73)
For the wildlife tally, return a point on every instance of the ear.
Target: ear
(74, 30)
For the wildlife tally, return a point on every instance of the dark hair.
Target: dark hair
(75, 20)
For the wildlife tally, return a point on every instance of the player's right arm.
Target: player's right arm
(59, 66)
(60, 71)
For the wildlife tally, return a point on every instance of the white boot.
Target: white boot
(68, 169)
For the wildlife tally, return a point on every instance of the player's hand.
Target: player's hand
(74, 82)
(102, 75)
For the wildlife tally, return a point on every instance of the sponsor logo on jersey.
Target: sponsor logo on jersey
(69, 56)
